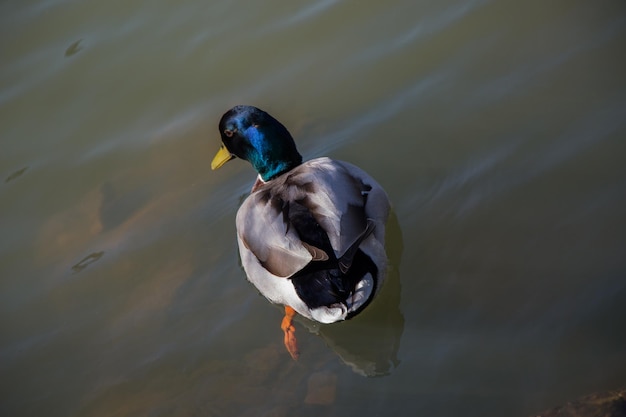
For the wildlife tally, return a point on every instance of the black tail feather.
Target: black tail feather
(323, 283)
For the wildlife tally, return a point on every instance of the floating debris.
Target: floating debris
(16, 174)
(74, 48)
(86, 261)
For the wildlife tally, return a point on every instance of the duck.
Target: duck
(310, 234)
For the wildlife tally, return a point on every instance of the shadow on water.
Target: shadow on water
(369, 343)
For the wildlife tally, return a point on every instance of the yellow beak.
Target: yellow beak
(221, 157)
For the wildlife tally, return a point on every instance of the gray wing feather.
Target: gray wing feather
(343, 199)
(263, 231)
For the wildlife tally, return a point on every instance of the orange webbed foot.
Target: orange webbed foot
(290, 333)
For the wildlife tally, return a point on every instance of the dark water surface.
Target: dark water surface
(497, 127)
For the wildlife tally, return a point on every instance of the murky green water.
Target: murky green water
(497, 127)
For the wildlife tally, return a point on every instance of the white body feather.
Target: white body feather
(334, 188)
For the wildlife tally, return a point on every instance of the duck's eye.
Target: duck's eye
(229, 133)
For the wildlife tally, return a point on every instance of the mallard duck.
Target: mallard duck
(311, 234)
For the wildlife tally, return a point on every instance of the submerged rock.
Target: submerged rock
(322, 388)
(607, 404)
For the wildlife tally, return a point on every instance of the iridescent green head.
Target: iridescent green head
(252, 134)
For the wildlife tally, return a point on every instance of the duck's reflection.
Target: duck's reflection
(369, 342)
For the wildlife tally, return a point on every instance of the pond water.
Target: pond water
(497, 127)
